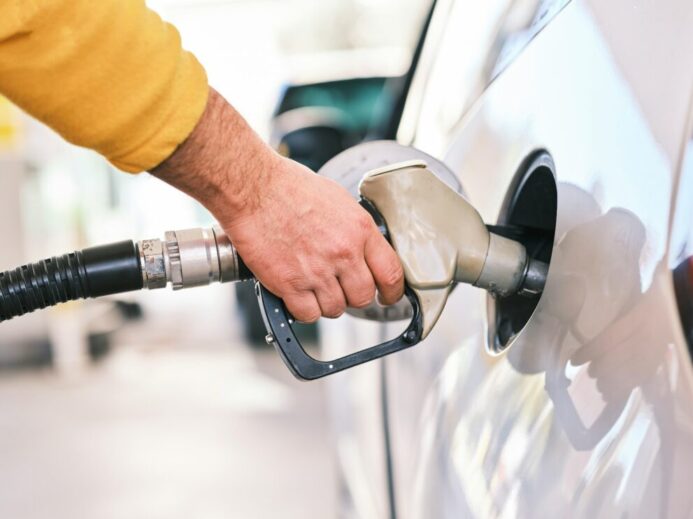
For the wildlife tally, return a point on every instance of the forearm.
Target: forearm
(223, 162)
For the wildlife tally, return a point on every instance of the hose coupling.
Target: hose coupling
(190, 258)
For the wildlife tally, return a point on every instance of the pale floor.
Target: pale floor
(166, 430)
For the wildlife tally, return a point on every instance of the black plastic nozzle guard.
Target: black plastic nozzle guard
(279, 324)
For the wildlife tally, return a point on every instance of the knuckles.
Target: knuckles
(365, 222)
(345, 250)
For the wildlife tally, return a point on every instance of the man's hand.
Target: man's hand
(303, 236)
(310, 243)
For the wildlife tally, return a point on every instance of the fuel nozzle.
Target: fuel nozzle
(442, 240)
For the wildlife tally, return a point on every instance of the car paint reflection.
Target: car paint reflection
(588, 410)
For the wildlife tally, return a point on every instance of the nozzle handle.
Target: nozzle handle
(279, 324)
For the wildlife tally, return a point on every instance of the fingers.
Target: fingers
(327, 301)
(331, 298)
(358, 285)
(303, 306)
(354, 285)
(386, 269)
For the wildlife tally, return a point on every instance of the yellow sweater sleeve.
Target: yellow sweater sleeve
(106, 74)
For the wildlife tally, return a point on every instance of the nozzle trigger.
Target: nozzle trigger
(279, 324)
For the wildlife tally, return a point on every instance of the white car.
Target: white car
(572, 123)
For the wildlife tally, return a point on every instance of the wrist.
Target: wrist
(223, 162)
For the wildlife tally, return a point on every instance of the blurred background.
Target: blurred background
(168, 405)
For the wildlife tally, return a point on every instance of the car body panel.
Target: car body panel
(356, 408)
(590, 412)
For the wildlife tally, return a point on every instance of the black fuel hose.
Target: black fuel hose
(93, 272)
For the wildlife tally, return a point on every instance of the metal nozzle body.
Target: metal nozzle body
(190, 258)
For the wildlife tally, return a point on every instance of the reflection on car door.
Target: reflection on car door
(589, 410)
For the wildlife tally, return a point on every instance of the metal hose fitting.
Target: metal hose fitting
(190, 258)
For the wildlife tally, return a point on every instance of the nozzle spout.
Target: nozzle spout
(535, 278)
(509, 270)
